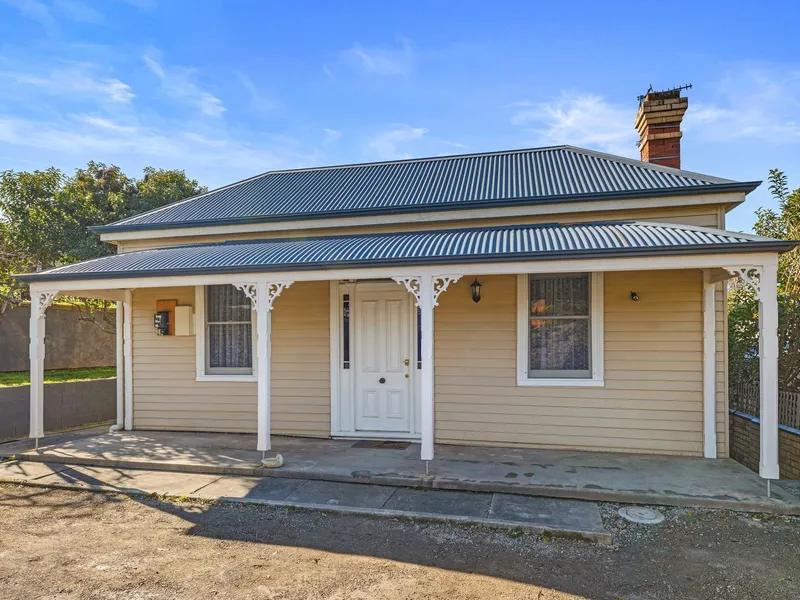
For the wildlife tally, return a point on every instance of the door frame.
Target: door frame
(343, 380)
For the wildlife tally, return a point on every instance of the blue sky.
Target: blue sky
(226, 90)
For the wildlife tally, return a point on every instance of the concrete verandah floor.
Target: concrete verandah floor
(613, 477)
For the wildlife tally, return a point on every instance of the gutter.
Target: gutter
(737, 186)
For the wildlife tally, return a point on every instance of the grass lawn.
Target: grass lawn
(58, 375)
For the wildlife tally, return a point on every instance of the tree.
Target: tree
(784, 224)
(45, 216)
(28, 237)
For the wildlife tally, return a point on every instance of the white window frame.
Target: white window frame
(596, 339)
(200, 343)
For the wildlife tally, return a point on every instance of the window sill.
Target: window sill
(227, 378)
(561, 382)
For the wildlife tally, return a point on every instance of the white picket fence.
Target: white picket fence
(746, 399)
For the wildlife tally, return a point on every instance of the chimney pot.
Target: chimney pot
(659, 125)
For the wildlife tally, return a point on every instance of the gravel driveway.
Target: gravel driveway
(76, 545)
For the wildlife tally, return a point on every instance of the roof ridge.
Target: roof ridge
(702, 229)
(648, 165)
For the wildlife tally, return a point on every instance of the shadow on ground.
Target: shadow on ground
(695, 554)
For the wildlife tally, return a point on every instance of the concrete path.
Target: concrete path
(570, 518)
(597, 476)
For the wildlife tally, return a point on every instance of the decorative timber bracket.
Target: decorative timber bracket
(751, 275)
(440, 285)
(43, 300)
(273, 290)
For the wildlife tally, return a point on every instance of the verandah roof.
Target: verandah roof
(484, 244)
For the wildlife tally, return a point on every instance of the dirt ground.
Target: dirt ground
(79, 545)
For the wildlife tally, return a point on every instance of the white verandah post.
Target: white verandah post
(39, 303)
(426, 304)
(768, 369)
(709, 367)
(120, 364)
(127, 361)
(263, 356)
(765, 286)
(262, 295)
(427, 289)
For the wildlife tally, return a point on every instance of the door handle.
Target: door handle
(382, 380)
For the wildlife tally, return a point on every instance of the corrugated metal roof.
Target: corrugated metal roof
(469, 181)
(528, 242)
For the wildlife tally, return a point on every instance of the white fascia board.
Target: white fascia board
(641, 263)
(556, 208)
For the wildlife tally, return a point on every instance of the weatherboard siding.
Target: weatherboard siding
(167, 395)
(652, 400)
(239, 419)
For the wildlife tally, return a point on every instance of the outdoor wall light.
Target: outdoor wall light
(634, 296)
(476, 290)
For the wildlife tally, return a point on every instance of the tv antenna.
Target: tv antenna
(650, 90)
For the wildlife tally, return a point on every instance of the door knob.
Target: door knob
(382, 380)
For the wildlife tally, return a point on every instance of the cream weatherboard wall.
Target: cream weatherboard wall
(167, 396)
(652, 400)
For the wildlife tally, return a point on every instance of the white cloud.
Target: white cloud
(48, 16)
(34, 10)
(103, 123)
(156, 68)
(78, 11)
(381, 61)
(331, 135)
(752, 101)
(457, 145)
(73, 79)
(578, 119)
(142, 5)
(178, 83)
(387, 144)
(259, 100)
(218, 159)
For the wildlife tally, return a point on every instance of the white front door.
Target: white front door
(382, 347)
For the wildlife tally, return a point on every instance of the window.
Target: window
(560, 329)
(346, 331)
(227, 331)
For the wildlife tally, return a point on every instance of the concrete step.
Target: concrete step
(557, 517)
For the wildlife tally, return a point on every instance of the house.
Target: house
(552, 297)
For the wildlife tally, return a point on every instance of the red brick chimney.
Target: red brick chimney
(659, 125)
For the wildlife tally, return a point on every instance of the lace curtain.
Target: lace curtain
(229, 329)
(559, 325)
